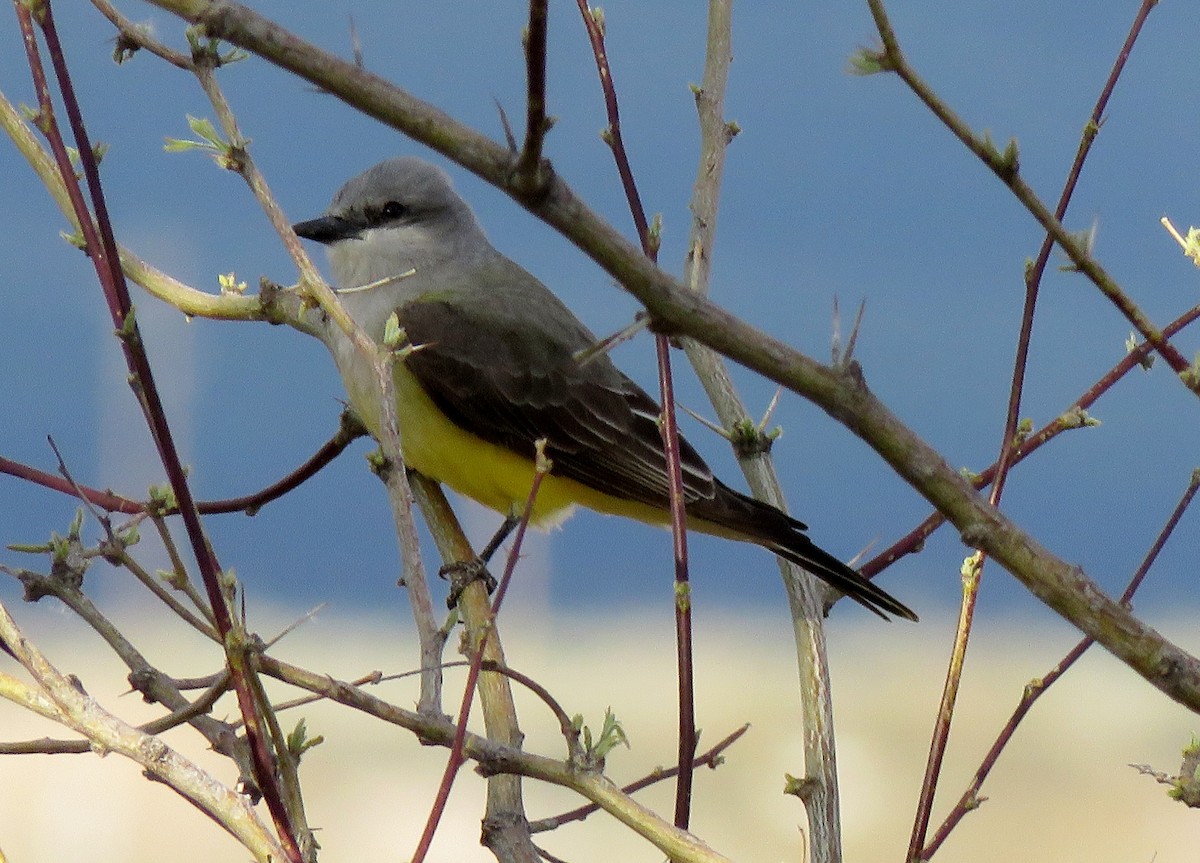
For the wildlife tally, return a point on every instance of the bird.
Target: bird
(498, 363)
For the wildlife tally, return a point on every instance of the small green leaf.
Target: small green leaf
(298, 741)
(799, 786)
(654, 233)
(177, 580)
(1010, 159)
(178, 145)
(377, 462)
(163, 496)
(230, 285)
(29, 548)
(611, 736)
(394, 336)
(865, 61)
(204, 127)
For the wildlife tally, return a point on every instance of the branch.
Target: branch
(593, 21)
(1075, 416)
(713, 758)
(1036, 688)
(529, 163)
(806, 594)
(496, 758)
(842, 393)
(479, 636)
(107, 733)
(102, 249)
(973, 570)
(1005, 167)
(349, 429)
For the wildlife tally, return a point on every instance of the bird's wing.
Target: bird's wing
(501, 376)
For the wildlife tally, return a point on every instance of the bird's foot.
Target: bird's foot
(461, 573)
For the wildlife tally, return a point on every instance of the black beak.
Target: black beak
(327, 229)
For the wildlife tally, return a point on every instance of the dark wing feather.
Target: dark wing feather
(493, 374)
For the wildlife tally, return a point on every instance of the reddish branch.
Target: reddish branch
(102, 248)
(670, 433)
(970, 798)
(1033, 277)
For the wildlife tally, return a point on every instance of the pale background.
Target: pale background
(1063, 792)
(837, 186)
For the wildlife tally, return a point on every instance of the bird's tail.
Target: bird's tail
(735, 515)
(812, 558)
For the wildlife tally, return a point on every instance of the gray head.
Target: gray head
(398, 215)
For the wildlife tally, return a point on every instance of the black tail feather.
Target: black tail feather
(736, 515)
(806, 554)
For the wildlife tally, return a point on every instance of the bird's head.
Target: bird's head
(401, 214)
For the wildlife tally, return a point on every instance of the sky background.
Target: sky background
(837, 186)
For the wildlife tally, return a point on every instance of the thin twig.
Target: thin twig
(807, 597)
(593, 24)
(529, 163)
(712, 758)
(456, 757)
(130, 35)
(179, 578)
(640, 322)
(349, 430)
(970, 798)
(1008, 442)
(102, 249)
(1005, 166)
(121, 556)
(565, 726)
(1073, 417)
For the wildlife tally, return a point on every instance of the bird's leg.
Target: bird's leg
(463, 572)
(502, 533)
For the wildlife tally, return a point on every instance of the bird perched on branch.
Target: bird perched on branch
(499, 365)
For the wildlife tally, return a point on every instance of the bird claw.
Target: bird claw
(460, 575)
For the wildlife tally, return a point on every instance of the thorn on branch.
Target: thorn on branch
(509, 138)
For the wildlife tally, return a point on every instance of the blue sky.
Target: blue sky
(838, 185)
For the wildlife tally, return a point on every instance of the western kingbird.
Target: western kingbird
(498, 368)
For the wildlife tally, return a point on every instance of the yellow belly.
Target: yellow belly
(492, 475)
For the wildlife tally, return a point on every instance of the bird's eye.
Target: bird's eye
(393, 210)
